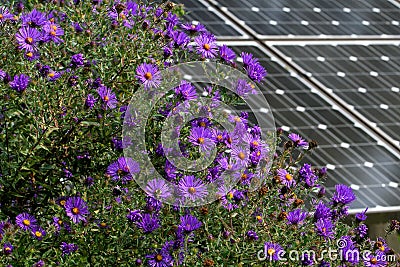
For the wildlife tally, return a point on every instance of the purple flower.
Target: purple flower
(5, 14)
(68, 248)
(26, 221)
(134, 216)
(148, 223)
(248, 59)
(40, 263)
(256, 72)
(324, 228)
(161, 258)
(8, 248)
(285, 178)
(307, 175)
(273, 251)
(321, 211)
(189, 223)
(296, 217)
(361, 231)
(108, 97)
(52, 32)
(34, 19)
(200, 136)
(239, 155)
(244, 89)
(122, 168)
(343, 195)
(186, 90)
(226, 53)
(148, 75)
(38, 233)
(20, 82)
(27, 38)
(180, 39)
(90, 101)
(77, 60)
(76, 208)
(349, 252)
(192, 188)
(206, 45)
(252, 235)
(158, 189)
(298, 140)
(361, 216)
(193, 28)
(153, 205)
(376, 260)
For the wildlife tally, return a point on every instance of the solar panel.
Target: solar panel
(315, 17)
(351, 155)
(219, 25)
(364, 76)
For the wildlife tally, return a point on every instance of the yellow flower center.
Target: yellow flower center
(1, 16)
(7, 248)
(29, 40)
(244, 176)
(258, 153)
(219, 137)
(288, 177)
(382, 248)
(123, 16)
(106, 98)
(206, 47)
(26, 222)
(200, 140)
(373, 260)
(53, 33)
(255, 143)
(38, 234)
(75, 210)
(237, 119)
(324, 230)
(258, 217)
(103, 224)
(229, 195)
(241, 155)
(54, 27)
(271, 251)
(51, 74)
(29, 54)
(52, 20)
(148, 76)
(159, 257)
(202, 124)
(60, 222)
(192, 190)
(62, 202)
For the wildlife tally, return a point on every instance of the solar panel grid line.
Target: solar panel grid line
(334, 99)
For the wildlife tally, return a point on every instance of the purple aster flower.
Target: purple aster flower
(273, 251)
(244, 89)
(5, 14)
(376, 260)
(349, 252)
(180, 38)
(361, 231)
(240, 155)
(3, 74)
(200, 136)
(227, 53)
(26, 221)
(256, 72)
(77, 60)
(34, 19)
(77, 27)
(108, 98)
(324, 228)
(76, 208)
(153, 205)
(361, 216)
(40, 263)
(298, 140)
(90, 101)
(122, 168)
(161, 258)
(321, 211)
(68, 248)
(307, 259)
(192, 188)
(148, 75)
(20, 82)
(186, 90)
(38, 233)
(252, 235)
(27, 38)
(296, 217)
(285, 178)
(158, 189)
(52, 32)
(8, 248)
(172, 19)
(206, 45)
(248, 59)
(148, 223)
(31, 55)
(193, 28)
(189, 223)
(134, 216)
(307, 175)
(343, 195)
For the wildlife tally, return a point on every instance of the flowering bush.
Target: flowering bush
(68, 197)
